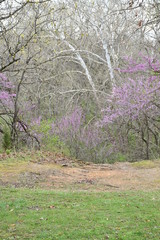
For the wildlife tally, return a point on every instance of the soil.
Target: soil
(55, 171)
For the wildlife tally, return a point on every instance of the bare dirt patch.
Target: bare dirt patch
(55, 171)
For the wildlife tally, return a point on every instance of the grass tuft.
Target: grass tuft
(145, 164)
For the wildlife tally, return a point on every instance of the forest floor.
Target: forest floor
(51, 171)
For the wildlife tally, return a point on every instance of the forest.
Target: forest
(81, 77)
(79, 119)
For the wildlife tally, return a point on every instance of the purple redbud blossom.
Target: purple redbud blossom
(137, 95)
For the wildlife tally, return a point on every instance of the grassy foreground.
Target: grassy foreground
(39, 214)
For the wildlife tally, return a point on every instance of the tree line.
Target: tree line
(82, 76)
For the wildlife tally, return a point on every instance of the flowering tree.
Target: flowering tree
(6, 101)
(134, 106)
(10, 115)
(82, 137)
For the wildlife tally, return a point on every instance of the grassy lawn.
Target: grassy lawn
(39, 214)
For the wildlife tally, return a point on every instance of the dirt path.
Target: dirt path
(54, 171)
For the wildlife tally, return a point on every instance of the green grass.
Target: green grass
(146, 164)
(49, 215)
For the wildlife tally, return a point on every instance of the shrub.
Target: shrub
(6, 139)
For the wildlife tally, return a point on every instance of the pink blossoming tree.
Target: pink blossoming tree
(134, 107)
(10, 115)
